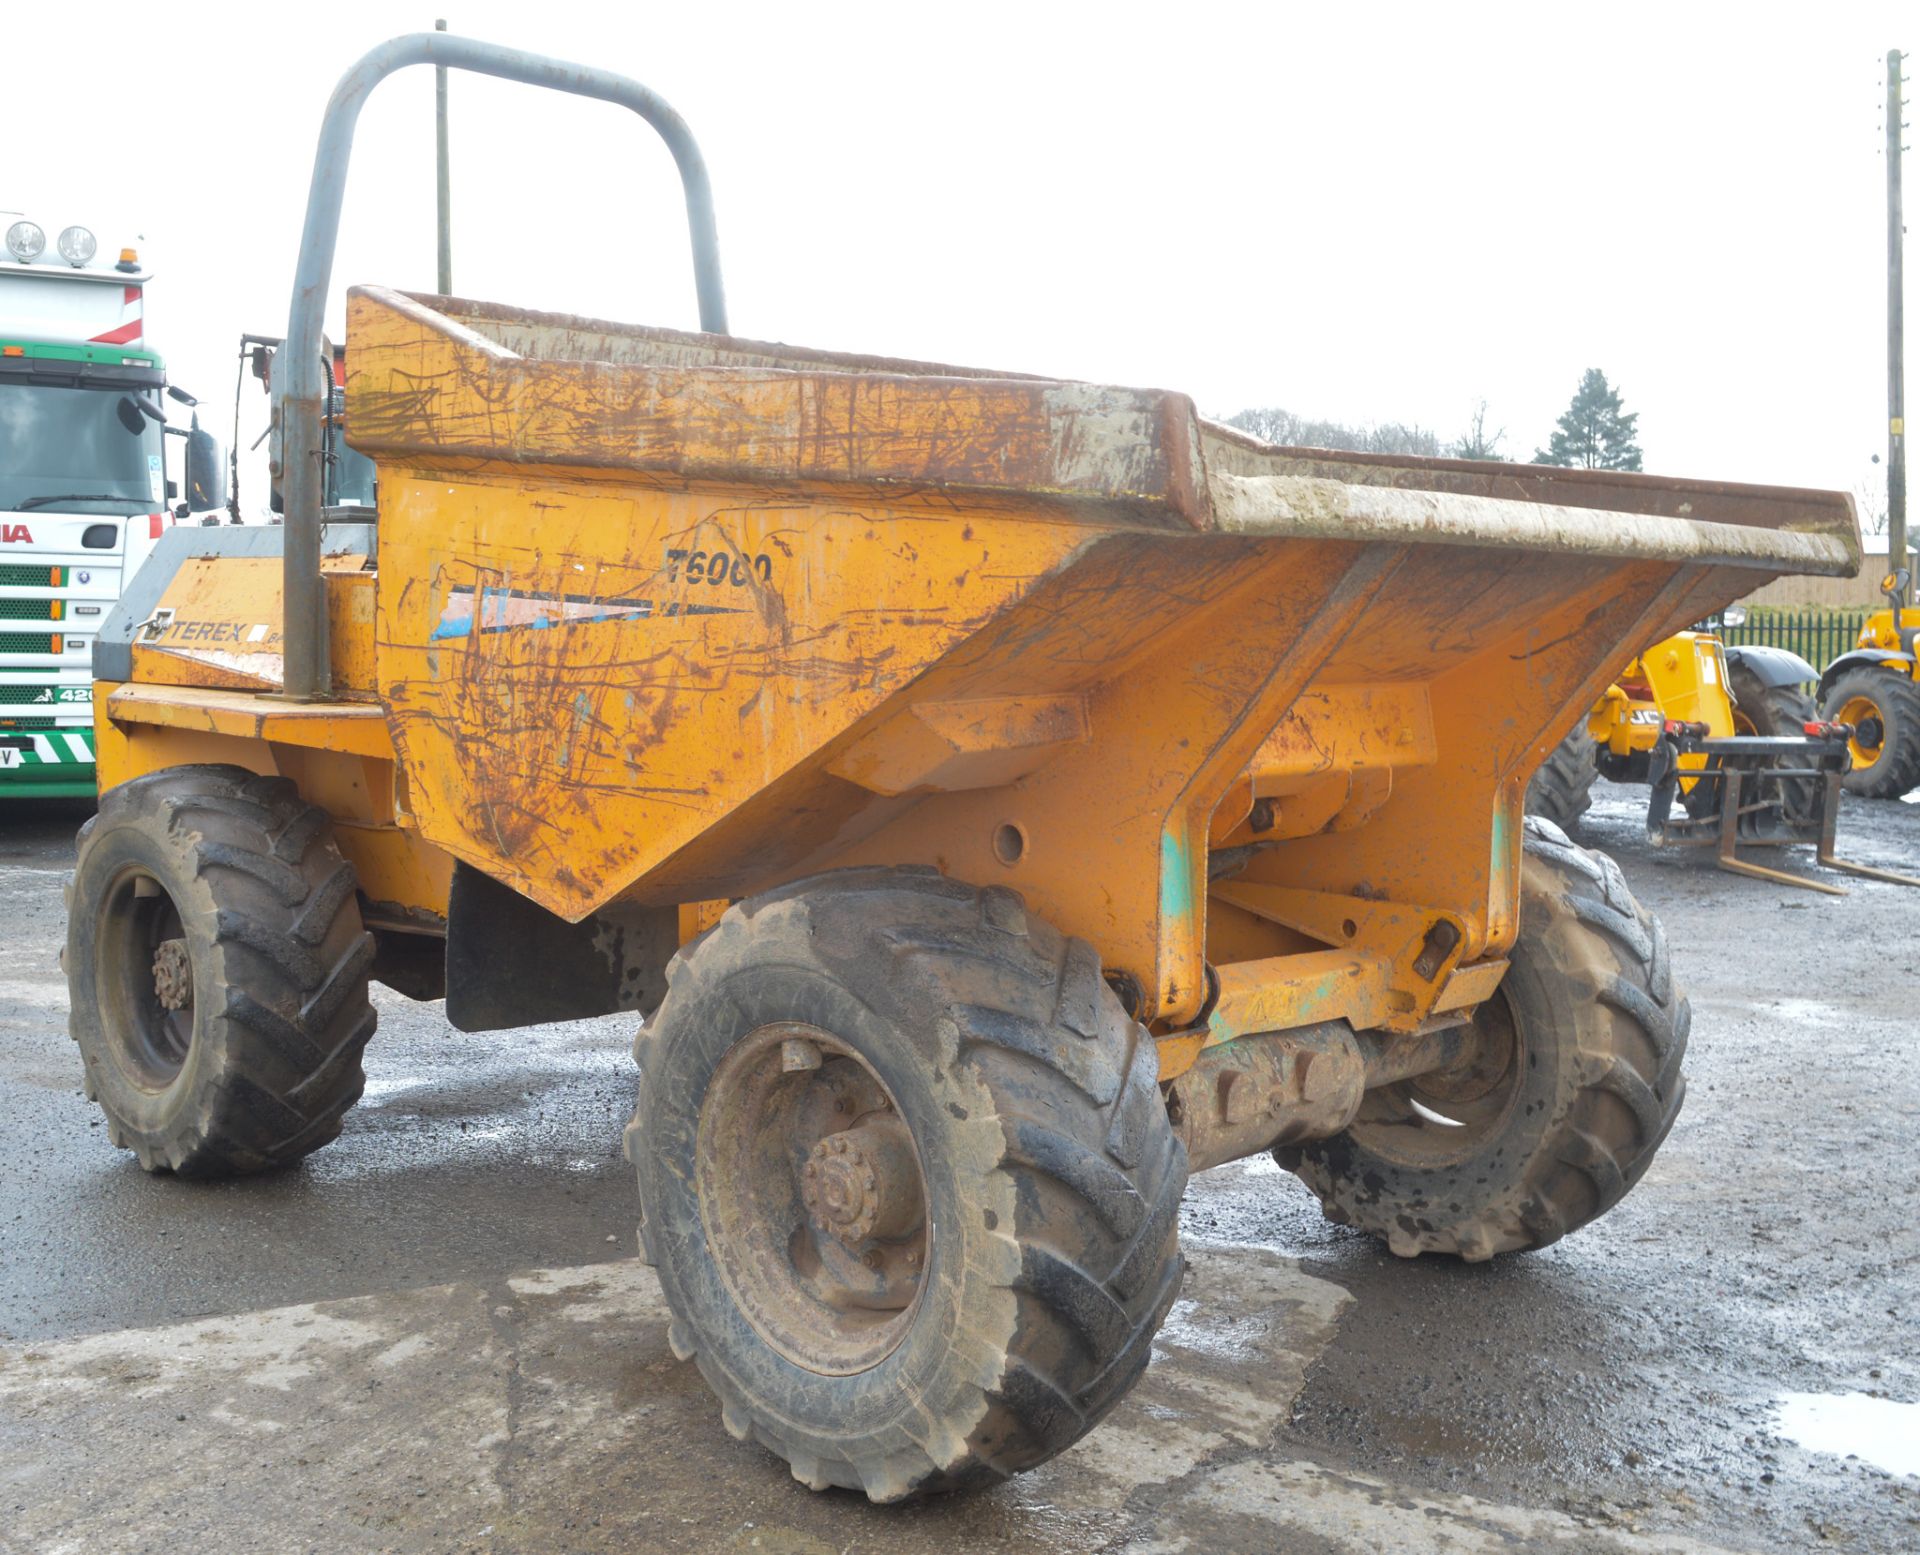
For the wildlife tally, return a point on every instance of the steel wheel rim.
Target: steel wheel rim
(146, 992)
(823, 1248)
(1861, 712)
(1434, 1121)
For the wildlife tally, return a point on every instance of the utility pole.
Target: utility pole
(1896, 365)
(440, 171)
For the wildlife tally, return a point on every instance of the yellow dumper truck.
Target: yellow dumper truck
(999, 796)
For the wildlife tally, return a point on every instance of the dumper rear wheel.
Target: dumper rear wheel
(217, 971)
(907, 1178)
(1558, 1106)
(1562, 790)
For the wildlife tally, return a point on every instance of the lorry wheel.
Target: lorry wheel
(1562, 790)
(217, 971)
(1558, 1106)
(907, 1179)
(1884, 708)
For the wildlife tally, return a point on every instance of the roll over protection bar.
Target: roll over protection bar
(302, 390)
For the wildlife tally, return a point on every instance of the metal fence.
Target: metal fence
(1818, 635)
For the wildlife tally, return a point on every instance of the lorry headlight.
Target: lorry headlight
(76, 245)
(25, 241)
(1734, 615)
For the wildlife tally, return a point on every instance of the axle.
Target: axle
(1280, 1087)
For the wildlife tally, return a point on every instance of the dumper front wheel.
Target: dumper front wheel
(1567, 1090)
(907, 1179)
(217, 971)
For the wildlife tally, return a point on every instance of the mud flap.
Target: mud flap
(510, 962)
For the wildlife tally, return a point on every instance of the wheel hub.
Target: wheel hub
(812, 1197)
(172, 975)
(862, 1182)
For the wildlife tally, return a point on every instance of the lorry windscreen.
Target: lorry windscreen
(77, 443)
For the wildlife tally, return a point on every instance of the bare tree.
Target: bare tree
(1870, 497)
(1476, 442)
(1275, 424)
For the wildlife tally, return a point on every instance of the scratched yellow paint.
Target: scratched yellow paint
(580, 690)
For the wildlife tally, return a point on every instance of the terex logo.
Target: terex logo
(12, 534)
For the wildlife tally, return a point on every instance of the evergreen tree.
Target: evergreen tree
(1594, 434)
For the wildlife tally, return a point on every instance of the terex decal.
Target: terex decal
(15, 534)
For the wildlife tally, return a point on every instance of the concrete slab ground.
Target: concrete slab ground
(544, 1412)
(432, 1337)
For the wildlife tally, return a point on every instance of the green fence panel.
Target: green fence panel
(1819, 635)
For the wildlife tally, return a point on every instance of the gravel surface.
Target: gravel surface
(1624, 1385)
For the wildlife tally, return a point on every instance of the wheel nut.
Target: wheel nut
(863, 1183)
(172, 975)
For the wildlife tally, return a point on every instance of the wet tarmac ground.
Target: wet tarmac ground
(433, 1336)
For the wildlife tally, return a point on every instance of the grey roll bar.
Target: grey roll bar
(306, 380)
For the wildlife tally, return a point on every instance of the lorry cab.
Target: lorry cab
(84, 485)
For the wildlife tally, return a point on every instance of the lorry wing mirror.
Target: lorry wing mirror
(206, 470)
(175, 392)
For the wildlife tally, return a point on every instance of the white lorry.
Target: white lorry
(85, 488)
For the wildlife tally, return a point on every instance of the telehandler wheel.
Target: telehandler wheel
(1562, 790)
(907, 1178)
(1558, 1108)
(217, 971)
(1884, 708)
(1773, 712)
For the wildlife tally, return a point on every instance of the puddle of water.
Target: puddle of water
(1874, 1430)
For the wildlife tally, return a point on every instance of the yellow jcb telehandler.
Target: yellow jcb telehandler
(1000, 797)
(1727, 735)
(1874, 689)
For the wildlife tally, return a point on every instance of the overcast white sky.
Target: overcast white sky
(1376, 212)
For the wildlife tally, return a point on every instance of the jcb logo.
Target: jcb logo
(11, 534)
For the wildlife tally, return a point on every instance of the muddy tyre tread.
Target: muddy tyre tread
(1897, 772)
(292, 1012)
(1625, 1086)
(1561, 791)
(1083, 1128)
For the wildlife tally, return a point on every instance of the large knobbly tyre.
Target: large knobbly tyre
(1572, 1085)
(1773, 712)
(907, 1178)
(1562, 790)
(217, 970)
(1883, 705)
